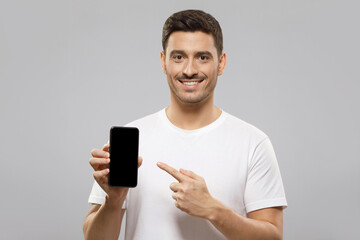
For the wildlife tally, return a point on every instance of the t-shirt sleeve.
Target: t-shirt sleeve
(97, 195)
(264, 187)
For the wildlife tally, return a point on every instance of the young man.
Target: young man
(206, 174)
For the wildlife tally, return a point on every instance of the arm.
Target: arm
(103, 221)
(192, 196)
(261, 224)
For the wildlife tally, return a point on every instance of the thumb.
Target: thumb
(188, 173)
(106, 147)
(140, 160)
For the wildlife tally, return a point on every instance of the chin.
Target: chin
(192, 100)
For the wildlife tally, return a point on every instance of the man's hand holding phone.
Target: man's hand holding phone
(100, 163)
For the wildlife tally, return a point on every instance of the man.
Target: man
(222, 172)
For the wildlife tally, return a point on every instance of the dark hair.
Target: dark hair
(191, 21)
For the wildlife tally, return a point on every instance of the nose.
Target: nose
(190, 68)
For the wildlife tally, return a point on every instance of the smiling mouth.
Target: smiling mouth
(191, 83)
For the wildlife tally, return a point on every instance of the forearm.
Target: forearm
(234, 226)
(105, 223)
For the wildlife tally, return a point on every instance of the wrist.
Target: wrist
(217, 211)
(114, 202)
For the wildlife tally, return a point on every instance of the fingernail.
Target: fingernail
(159, 164)
(106, 155)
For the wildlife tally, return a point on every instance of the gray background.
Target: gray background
(71, 69)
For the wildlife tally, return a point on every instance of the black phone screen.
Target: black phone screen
(124, 146)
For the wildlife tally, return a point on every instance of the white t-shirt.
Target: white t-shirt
(235, 158)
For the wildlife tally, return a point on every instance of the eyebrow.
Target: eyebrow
(173, 52)
(204, 53)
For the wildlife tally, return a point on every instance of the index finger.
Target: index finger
(106, 147)
(172, 171)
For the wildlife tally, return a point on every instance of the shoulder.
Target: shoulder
(146, 121)
(244, 129)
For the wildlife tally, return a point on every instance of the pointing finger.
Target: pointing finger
(172, 171)
(189, 173)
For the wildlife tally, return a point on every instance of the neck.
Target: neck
(190, 116)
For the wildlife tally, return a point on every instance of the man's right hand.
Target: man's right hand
(100, 163)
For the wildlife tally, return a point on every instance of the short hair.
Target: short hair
(191, 21)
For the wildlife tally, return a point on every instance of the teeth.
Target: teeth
(190, 83)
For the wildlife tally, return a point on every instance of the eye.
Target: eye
(203, 58)
(177, 57)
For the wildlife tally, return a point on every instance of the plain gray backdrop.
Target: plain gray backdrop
(71, 69)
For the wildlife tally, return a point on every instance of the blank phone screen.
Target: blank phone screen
(124, 145)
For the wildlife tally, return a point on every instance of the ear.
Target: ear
(162, 59)
(222, 64)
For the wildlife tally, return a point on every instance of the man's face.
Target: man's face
(192, 65)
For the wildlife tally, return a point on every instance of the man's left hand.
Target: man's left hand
(190, 192)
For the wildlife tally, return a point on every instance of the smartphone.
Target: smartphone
(124, 147)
